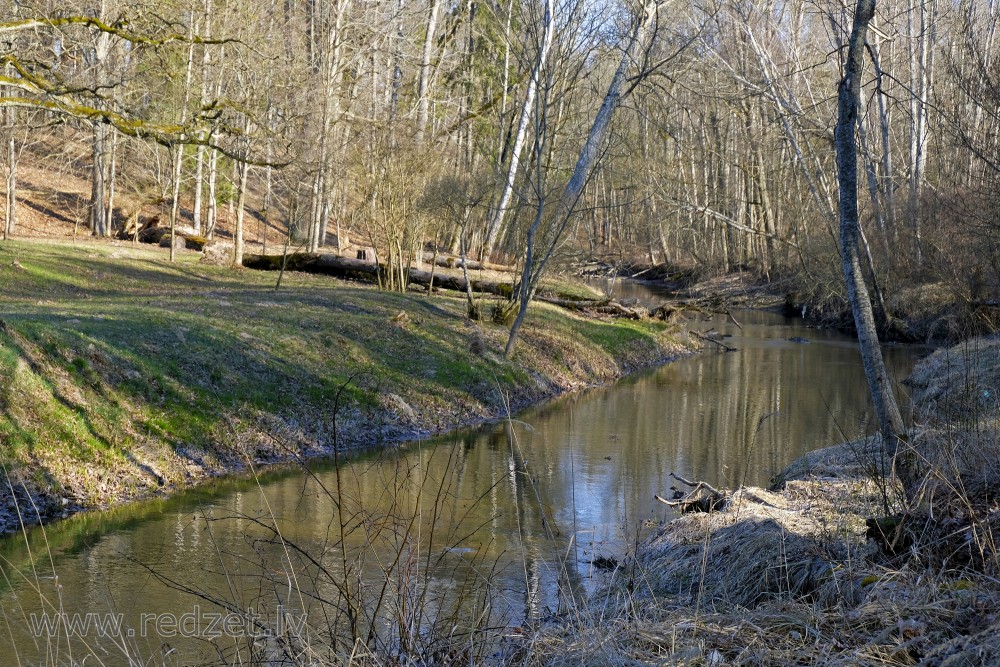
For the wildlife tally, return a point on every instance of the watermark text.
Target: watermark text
(195, 623)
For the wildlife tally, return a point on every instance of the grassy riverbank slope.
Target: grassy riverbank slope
(802, 575)
(123, 375)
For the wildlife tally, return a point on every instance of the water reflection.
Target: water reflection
(520, 506)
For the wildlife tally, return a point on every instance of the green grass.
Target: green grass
(121, 373)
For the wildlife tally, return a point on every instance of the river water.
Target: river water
(493, 524)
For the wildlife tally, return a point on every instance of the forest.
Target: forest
(697, 135)
(742, 161)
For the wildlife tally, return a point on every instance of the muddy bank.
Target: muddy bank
(918, 311)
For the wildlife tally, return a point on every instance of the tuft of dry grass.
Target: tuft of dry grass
(957, 444)
(765, 546)
(959, 383)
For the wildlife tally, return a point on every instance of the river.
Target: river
(494, 524)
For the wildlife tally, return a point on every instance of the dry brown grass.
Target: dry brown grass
(959, 383)
(790, 577)
(778, 579)
(957, 443)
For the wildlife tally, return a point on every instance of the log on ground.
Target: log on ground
(451, 261)
(359, 269)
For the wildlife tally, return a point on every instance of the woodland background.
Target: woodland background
(402, 123)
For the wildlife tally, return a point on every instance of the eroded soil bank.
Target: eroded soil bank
(124, 376)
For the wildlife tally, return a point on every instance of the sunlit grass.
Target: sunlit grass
(121, 370)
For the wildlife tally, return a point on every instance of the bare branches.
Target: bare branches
(119, 29)
(95, 101)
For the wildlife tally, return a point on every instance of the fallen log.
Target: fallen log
(360, 269)
(450, 261)
(574, 304)
(604, 306)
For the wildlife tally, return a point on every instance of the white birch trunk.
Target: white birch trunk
(495, 224)
(533, 268)
(212, 207)
(199, 157)
(241, 184)
(10, 210)
(424, 75)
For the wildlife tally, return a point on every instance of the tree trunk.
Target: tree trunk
(495, 224)
(212, 208)
(919, 89)
(98, 205)
(175, 203)
(532, 272)
(112, 179)
(241, 195)
(423, 83)
(199, 157)
(10, 212)
(879, 383)
(266, 212)
(199, 181)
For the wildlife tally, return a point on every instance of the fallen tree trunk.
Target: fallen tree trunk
(604, 306)
(359, 269)
(455, 262)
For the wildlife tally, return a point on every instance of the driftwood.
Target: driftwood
(702, 497)
(712, 339)
(729, 313)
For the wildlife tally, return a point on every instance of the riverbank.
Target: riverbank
(922, 309)
(123, 376)
(801, 574)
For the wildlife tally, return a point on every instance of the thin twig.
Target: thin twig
(712, 340)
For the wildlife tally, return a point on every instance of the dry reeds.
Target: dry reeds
(778, 579)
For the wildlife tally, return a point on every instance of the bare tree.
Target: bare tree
(879, 384)
(495, 224)
(635, 50)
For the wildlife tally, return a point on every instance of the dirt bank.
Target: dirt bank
(922, 310)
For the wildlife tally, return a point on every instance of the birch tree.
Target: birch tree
(496, 221)
(635, 51)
